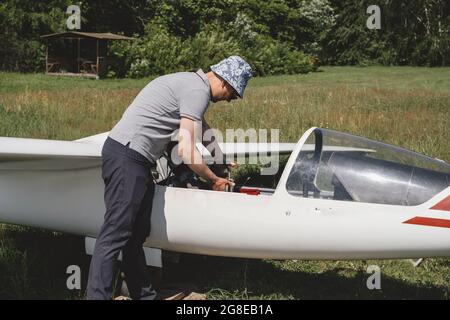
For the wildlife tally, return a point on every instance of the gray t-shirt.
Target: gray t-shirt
(154, 115)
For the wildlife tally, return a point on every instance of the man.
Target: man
(166, 104)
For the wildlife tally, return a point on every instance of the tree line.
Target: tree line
(277, 37)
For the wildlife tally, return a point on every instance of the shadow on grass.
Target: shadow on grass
(33, 265)
(260, 279)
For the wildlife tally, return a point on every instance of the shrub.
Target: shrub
(159, 52)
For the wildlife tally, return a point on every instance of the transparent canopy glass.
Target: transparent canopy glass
(341, 166)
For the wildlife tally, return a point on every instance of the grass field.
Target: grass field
(406, 106)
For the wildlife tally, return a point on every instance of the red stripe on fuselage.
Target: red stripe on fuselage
(431, 222)
(442, 205)
(250, 191)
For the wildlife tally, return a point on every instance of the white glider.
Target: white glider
(339, 197)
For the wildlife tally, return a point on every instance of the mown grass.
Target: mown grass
(409, 107)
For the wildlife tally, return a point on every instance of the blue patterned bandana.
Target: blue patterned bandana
(234, 70)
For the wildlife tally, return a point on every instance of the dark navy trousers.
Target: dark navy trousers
(129, 190)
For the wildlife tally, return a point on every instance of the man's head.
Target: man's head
(229, 78)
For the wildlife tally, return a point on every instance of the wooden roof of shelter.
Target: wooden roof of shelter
(92, 35)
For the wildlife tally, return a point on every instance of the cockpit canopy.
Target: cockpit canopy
(341, 166)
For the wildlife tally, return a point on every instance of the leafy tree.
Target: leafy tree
(279, 36)
(21, 24)
(412, 32)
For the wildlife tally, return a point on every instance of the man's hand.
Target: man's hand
(220, 184)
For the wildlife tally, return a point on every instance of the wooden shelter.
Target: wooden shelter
(79, 53)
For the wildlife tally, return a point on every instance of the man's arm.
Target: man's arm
(192, 158)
